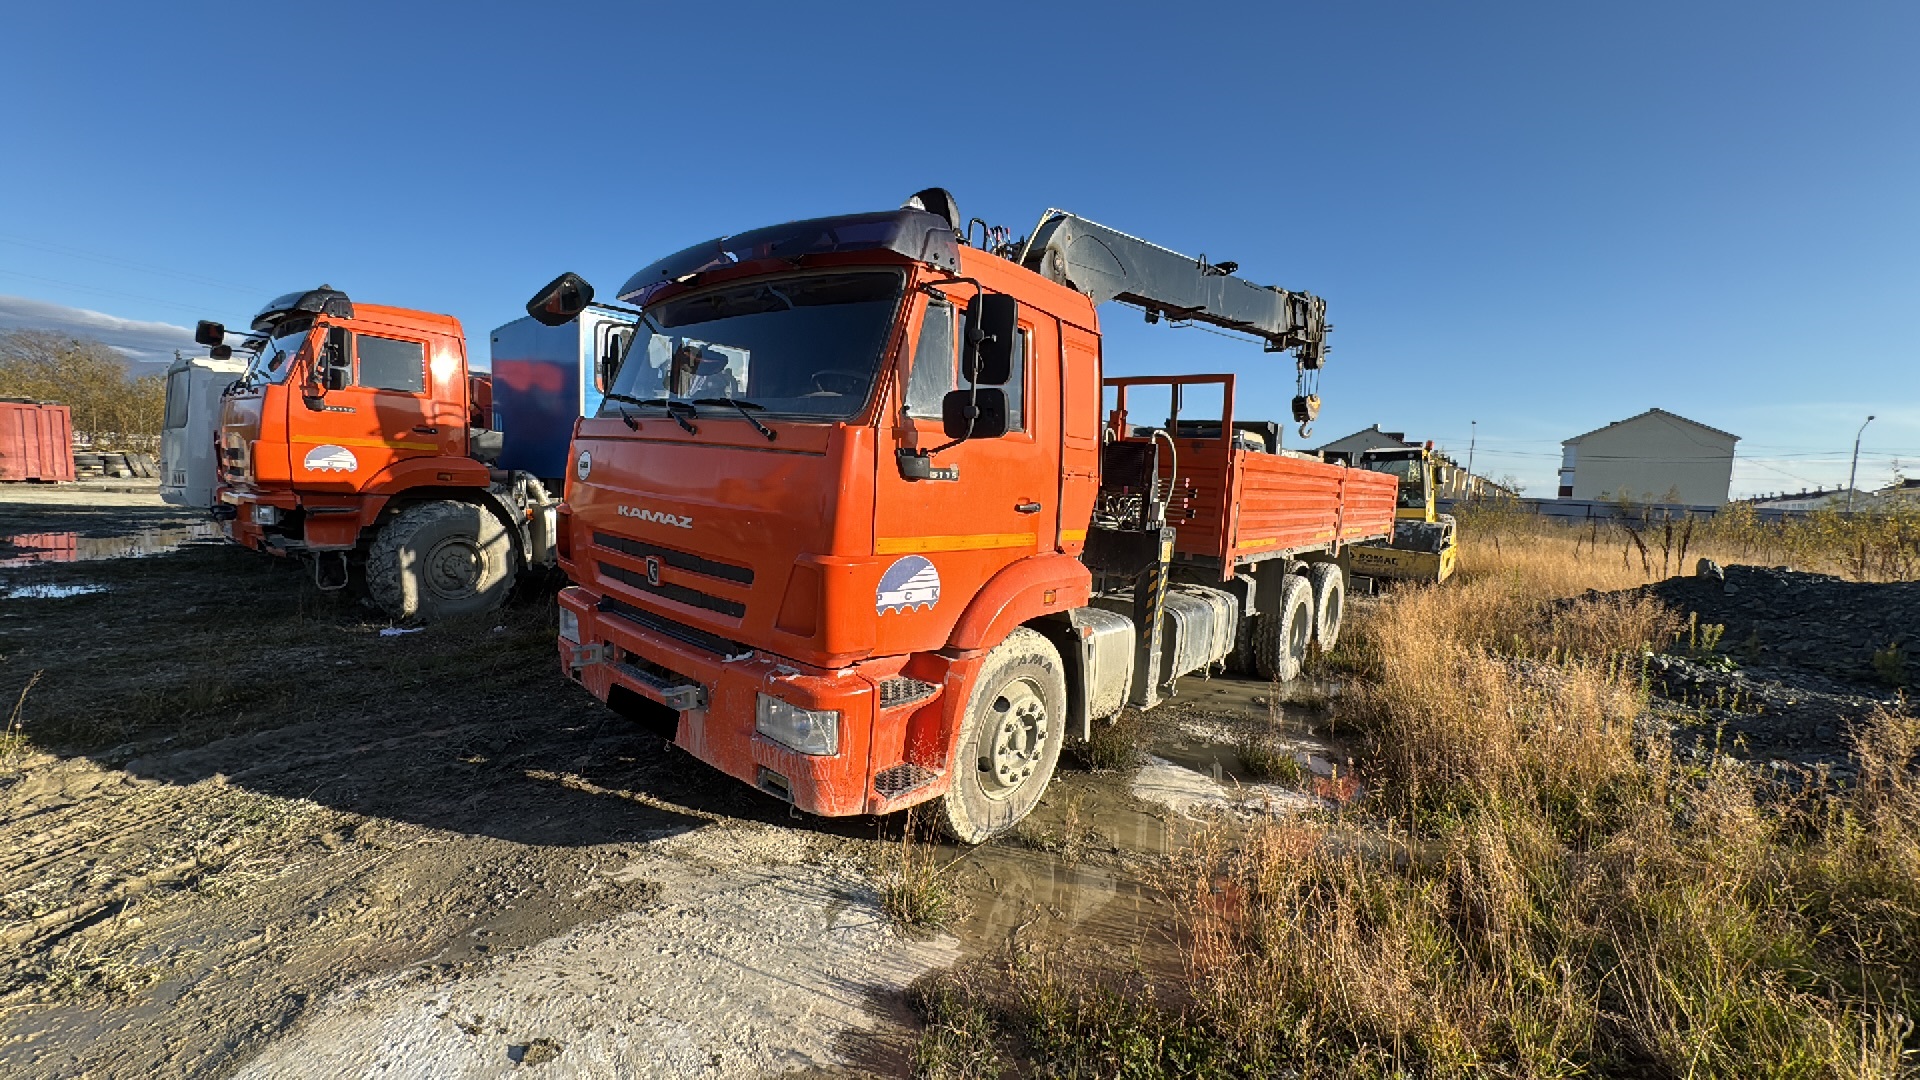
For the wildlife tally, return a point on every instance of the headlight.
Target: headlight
(809, 731)
(266, 515)
(569, 626)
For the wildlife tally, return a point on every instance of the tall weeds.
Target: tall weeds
(1539, 883)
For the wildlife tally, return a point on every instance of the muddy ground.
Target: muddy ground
(242, 831)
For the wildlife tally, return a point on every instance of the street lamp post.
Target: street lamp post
(1855, 469)
(1472, 439)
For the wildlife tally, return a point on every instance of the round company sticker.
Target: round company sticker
(911, 582)
(331, 458)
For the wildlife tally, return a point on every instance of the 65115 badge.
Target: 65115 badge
(911, 582)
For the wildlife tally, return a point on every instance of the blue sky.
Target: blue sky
(1543, 217)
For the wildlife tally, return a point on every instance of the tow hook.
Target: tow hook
(330, 582)
(583, 656)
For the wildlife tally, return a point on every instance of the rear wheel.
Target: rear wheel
(1281, 636)
(1010, 739)
(441, 559)
(1329, 602)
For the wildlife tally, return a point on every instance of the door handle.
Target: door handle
(1027, 508)
(423, 430)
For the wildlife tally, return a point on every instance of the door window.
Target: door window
(177, 389)
(936, 367)
(387, 364)
(936, 364)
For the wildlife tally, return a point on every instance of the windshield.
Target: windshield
(807, 345)
(1413, 488)
(277, 353)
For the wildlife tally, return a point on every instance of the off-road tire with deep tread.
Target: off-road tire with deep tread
(1240, 661)
(1281, 636)
(435, 560)
(1020, 672)
(1329, 585)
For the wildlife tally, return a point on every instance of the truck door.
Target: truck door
(380, 409)
(1002, 506)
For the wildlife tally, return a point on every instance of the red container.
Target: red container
(36, 441)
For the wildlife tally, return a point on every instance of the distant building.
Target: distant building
(1818, 499)
(1656, 456)
(1908, 490)
(1368, 439)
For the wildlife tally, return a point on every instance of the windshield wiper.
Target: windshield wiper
(672, 405)
(742, 406)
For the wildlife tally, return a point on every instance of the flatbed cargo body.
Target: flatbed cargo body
(1243, 505)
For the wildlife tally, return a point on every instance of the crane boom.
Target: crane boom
(1107, 264)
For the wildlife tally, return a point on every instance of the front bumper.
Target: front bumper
(297, 526)
(715, 690)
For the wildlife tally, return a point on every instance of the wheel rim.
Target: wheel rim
(1333, 610)
(1015, 739)
(453, 568)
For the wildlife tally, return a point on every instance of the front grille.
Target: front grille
(896, 780)
(679, 560)
(901, 690)
(660, 624)
(678, 593)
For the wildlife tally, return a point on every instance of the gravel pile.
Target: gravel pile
(1794, 668)
(1779, 618)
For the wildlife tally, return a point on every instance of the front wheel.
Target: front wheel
(441, 559)
(1010, 739)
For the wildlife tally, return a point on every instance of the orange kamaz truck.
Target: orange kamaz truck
(852, 526)
(358, 440)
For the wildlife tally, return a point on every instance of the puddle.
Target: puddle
(1073, 871)
(1196, 795)
(50, 592)
(1084, 868)
(33, 549)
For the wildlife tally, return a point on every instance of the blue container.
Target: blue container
(546, 377)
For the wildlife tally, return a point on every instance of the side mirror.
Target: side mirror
(332, 368)
(338, 357)
(209, 333)
(979, 413)
(221, 352)
(564, 298)
(987, 355)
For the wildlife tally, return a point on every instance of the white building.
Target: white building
(1818, 499)
(1656, 456)
(1371, 438)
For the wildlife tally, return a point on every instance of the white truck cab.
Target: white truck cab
(188, 468)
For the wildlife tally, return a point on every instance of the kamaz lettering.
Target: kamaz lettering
(657, 517)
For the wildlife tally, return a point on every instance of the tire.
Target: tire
(1329, 602)
(1240, 661)
(1009, 741)
(1281, 636)
(436, 560)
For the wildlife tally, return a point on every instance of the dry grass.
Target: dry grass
(1544, 889)
(1636, 547)
(915, 891)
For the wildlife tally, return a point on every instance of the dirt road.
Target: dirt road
(242, 830)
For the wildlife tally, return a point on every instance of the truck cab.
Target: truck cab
(358, 439)
(189, 465)
(341, 406)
